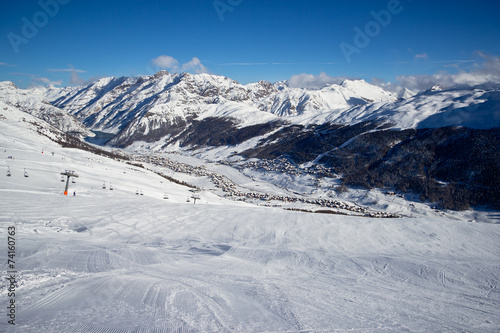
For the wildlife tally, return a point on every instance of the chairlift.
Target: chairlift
(26, 173)
(8, 172)
(165, 196)
(188, 199)
(62, 179)
(73, 180)
(142, 193)
(137, 192)
(103, 186)
(110, 187)
(195, 197)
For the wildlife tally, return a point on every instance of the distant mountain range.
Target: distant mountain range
(441, 143)
(161, 100)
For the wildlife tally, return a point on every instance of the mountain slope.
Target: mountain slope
(34, 103)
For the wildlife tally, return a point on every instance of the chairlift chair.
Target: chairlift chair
(26, 173)
(8, 172)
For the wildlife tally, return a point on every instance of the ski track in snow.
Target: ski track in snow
(112, 261)
(251, 269)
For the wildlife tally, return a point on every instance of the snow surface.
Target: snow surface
(115, 261)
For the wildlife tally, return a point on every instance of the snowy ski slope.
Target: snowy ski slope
(116, 261)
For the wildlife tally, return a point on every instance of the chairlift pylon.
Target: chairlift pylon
(69, 174)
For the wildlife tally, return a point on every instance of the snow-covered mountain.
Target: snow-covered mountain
(160, 106)
(35, 103)
(110, 104)
(472, 108)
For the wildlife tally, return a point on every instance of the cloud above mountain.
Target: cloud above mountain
(74, 79)
(486, 72)
(310, 81)
(165, 62)
(196, 66)
(172, 64)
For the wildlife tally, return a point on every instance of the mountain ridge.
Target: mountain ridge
(167, 93)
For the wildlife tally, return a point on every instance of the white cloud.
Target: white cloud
(6, 64)
(195, 65)
(74, 78)
(36, 80)
(166, 62)
(310, 81)
(486, 72)
(244, 64)
(172, 64)
(389, 86)
(63, 70)
(423, 56)
(45, 81)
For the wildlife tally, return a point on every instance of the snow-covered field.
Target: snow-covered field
(114, 261)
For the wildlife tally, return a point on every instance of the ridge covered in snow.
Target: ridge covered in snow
(35, 103)
(149, 104)
(110, 104)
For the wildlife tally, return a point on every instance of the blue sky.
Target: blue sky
(70, 42)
